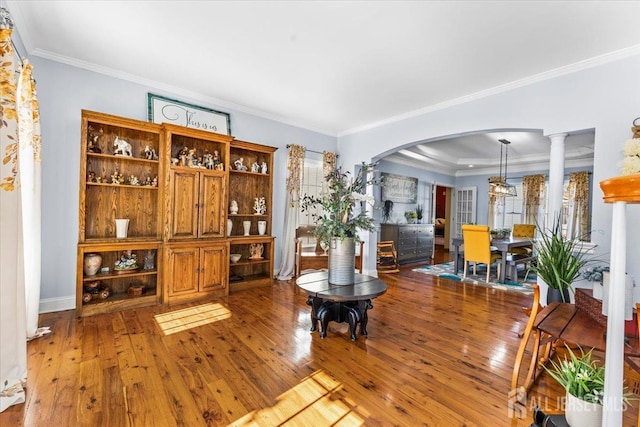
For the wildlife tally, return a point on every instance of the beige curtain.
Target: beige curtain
(295, 178)
(578, 206)
(20, 186)
(533, 189)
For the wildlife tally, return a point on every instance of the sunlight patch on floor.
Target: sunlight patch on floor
(316, 400)
(181, 320)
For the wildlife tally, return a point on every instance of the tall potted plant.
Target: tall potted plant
(559, 261)
(337, 224)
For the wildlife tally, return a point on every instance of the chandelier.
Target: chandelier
(501, 187)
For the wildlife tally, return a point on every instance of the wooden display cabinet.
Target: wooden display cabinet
(196, 251)
(119, 181)
(197, 200)
(251, 272)
(126, 288)
(195, 272)
(245, 187)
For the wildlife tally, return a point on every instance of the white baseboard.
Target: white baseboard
(57, 304)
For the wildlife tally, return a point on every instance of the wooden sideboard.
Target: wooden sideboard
(412, 241)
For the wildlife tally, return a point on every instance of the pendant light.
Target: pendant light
(502, 188)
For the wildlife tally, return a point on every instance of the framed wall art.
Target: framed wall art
(166, 110)
(398, 188)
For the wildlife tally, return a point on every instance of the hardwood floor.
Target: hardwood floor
(439, 353)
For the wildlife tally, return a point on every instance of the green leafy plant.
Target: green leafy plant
(410, 216)
(332, 210)
(419, 211)
(387, 210)
(580, 375)
(559, 260)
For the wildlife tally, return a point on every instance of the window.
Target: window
(312, 183)
(512, 213)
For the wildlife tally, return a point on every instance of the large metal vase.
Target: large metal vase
(342, 261)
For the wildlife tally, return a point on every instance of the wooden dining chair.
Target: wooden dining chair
(523, 230)
(536, 348)
(387, 257)
(477, 248)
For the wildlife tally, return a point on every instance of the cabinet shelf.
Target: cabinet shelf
(129, 241)
(124, 158)
(187, 168)
(250, 262)
(104, 276)
(234, 171)
(103, 184)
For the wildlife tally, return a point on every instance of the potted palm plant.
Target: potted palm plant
(336, 222)
(558, 262)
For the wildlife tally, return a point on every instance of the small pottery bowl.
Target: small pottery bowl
(235, 257)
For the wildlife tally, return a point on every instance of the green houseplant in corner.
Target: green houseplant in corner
(582, 377)
(559, 261)
(337, 223)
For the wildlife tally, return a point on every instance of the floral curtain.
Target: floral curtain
(533, 189)
(295, 178)
(578, 204)
(20, 185)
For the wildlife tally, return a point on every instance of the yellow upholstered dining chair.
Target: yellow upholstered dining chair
(523, 230)
(477, 248)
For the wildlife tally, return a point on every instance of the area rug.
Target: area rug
(445, 271)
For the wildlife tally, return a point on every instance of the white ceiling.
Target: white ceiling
(333, 66)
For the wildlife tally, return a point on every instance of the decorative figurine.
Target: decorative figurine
(264, 167)
(208, 160)
(155, 182)
(256, 250)
(220, 166)
(117, 178)
(121, 147)
(150, 153)
(91, 177)
(93, 290)
(233, 207)
(133, 180)
(182, 156)
(192, 161)
(149, 260)
(128, 261)
(259, 206)
(255, 167)
(93, 139)
(239, 164)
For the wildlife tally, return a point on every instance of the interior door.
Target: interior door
(464, 208)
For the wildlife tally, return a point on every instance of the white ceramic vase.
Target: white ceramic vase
(122, 226)
(262, 227)
(229, 227)
(247, 227)
(579, 413)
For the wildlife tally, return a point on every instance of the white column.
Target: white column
(612, 416)
(556, 177)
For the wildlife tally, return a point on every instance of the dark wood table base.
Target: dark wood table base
(353, 312)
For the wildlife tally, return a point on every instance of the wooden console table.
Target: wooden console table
(340, 303)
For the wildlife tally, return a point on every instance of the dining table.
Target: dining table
(504, 246)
